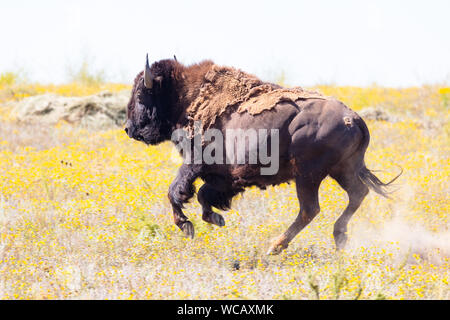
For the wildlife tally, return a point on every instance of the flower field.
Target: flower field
(84, 215)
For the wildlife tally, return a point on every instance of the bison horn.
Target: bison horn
(148, 77)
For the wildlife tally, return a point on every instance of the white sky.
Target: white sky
(391, 43)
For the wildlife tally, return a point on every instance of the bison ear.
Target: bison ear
(148, 76)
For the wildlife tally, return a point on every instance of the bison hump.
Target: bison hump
(229, 89)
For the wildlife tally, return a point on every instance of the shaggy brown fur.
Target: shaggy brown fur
(224, 87)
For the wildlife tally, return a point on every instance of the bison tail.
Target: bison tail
(374, 183)
(367, 176)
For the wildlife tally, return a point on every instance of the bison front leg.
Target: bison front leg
(180, 191)
(208, 197)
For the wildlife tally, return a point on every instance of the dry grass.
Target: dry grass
(85, 215)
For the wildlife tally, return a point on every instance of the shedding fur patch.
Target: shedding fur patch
(226, 87)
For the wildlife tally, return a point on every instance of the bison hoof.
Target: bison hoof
(219, 220)
(276, 248)
(340, 241)
(188, 229)
(214, 218)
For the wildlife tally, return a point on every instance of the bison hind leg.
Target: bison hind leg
(209, 197)
(308, 194)
(347, 177)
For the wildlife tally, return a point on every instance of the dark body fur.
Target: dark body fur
(317, 138)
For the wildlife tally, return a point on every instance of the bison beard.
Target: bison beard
(318, 136)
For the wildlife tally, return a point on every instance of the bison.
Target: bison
(316, 137)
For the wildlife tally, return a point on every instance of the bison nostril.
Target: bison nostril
(126, 130)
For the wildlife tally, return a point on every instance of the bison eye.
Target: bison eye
(141, 98)
(144, 97)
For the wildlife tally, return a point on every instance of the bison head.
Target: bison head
(148, 112)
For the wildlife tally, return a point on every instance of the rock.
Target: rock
(377, 113)
(100, 111)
